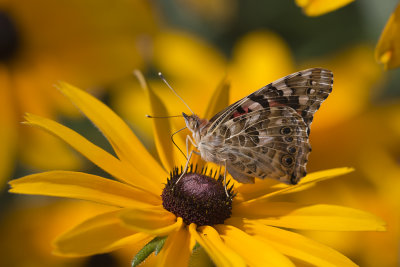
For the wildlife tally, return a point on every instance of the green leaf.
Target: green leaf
(200, 258)
(154, 245)
(160, 245)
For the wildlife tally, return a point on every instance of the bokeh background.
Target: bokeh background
(95, 45)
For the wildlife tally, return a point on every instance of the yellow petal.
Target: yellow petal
(387, 50)
(154, 221)
(37, 148)
(313, 217)
(209, 239)
(260, 188)
(254, 251)
(126, 145)
(130, 102)
(306, 181)
(83, 186)
(320, 7)
(219, 99)
(177, 249)
(294, 245)
(100, 234)
(8, 124)
(95, 154)
(162, 129)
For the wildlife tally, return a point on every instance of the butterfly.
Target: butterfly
(265, 134)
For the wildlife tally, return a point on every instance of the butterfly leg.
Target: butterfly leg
(226, 191)
(188, 138)
(186, 166)
(188, 156)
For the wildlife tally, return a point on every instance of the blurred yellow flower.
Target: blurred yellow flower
(194, 68)
(320, 7)
(387, 50)
(90, 43)
(37, 224)
(251, 234)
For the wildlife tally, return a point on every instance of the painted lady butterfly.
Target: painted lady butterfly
(266, 133)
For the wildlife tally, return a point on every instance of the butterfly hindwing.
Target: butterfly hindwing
(271, 142)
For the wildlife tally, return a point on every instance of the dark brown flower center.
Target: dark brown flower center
(197, 198)
(9, 39)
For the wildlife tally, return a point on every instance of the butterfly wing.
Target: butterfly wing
(266, 133)
(271, 142)
(304, 91)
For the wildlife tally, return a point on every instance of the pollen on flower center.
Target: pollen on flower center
(197, 198)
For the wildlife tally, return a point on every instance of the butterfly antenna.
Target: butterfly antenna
(162, 117)
(172, 139)
(169, 86)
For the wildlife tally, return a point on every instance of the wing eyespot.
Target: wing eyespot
(286, 130)
(288, 139)
(287, 160)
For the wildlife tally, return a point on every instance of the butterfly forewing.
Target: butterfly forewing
(304, 91)
(266, 133)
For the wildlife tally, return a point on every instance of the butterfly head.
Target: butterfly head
(195, 125)
(192, 122)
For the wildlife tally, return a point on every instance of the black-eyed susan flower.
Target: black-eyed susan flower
(247, 227)
(91, 43)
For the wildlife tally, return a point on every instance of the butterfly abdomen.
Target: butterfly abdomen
(210, 147)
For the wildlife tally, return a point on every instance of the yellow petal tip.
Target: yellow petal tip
(381, 225)
(385, 57)
(381, 229)
(28, 117)
(60, 84)
(64, 87)
(142, 81)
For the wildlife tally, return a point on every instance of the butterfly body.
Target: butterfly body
(266, 133)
